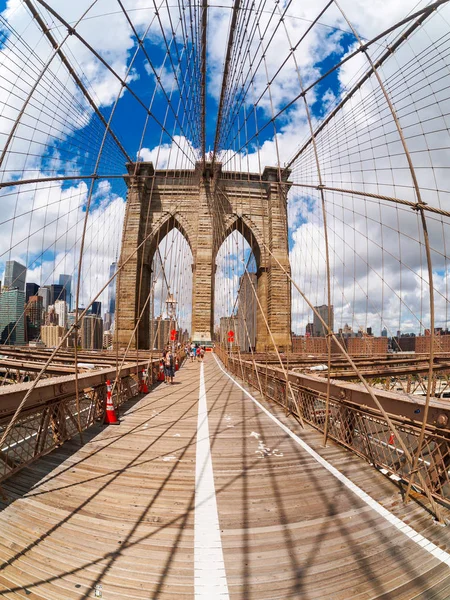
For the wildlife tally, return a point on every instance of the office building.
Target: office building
(66, 281)
(33, 318)
(31, 289)
(107, 322)
(51, 318)
(108, 340)
(52, 335)
(12, 317)
(91, 332)
(96, 309)
(57, 292)
(319, 329)
(112, 290)
(62, 313)
(44, 293)
(15, 275)
(246, 314)
(309, 331)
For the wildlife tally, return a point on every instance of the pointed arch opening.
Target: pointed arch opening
(171, 289)
(235, 296)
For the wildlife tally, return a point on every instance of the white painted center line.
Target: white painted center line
(416, 537)
(210, 581)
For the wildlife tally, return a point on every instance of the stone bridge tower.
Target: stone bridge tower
(205, 205)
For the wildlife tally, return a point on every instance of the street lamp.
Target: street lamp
(171, 310)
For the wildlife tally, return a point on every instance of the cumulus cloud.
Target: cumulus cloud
(378, 261)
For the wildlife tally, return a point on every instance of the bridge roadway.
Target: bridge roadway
(172, 504)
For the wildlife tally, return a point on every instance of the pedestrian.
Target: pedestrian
(193, 349)
(202, 353)
(198, 353)
(169, 366)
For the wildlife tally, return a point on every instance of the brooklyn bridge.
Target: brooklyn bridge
(224, 302)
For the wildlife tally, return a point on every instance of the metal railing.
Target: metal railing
(50, 416)
(360, 427)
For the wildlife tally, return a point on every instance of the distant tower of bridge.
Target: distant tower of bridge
(205, 205)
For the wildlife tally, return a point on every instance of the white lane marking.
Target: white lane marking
(210, 579)
(416, 537)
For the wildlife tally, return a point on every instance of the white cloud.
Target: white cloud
(360, 149)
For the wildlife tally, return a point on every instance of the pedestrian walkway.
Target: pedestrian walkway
(199, 493)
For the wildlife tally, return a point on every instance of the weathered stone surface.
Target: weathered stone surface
(205, 204)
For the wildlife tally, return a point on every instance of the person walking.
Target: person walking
(169, 366)
(198, 353)
(193, 349)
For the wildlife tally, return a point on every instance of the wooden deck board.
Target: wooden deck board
(119, 511)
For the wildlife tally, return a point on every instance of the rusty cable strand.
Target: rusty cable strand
(122, 81)
(413, 205)
(234, 18)
(138, 320)
(224, 136)
(88, 205)
(73, 328)
(35, 85)
(425, 11)
(426, 243)
(282, 200)
(230, 113)
(72, 72)
(163, 130)
(288, 384)
(150, 194)
(428, 493)
(325, 228)
(390, 50)
(203, 80)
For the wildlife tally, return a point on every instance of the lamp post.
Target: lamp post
(171, 309)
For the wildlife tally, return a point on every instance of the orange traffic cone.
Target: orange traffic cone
(144, 386)
(110, 413)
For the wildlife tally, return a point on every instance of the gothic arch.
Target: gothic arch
(250, 232)
(165, 226)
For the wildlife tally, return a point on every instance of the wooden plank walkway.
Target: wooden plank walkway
(120, 511)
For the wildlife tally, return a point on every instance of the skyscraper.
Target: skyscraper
(66, 281)
(57, 292)
(96, 309)
(61, 312)
(33, 316)
(246, 314)
(44, 293)
(112, 290)
(319, 329)
(15, 275)
(91, 333)
(31, 289)
(12, 318)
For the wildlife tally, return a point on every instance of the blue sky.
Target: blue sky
(70, 138)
